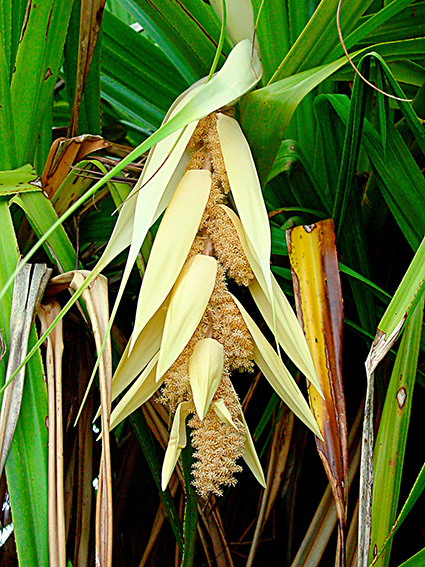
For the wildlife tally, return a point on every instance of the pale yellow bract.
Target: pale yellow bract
(277, 374)
(179, 225)
(140, 392)
(176, 443)
(205, 371)
(288, 331)
(188, 302)
(223, 413)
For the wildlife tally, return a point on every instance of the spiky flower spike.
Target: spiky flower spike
(221, 342)
(190, 333)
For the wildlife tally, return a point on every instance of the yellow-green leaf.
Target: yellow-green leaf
(19, 180)
(205, 371)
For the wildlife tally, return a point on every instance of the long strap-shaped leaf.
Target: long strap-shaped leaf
(57, 540)
(414, 494)
(90, 20)
(96, 300)
(392, 435)
(37, 64)
(319, 305)
(26, 466)
(27, 294)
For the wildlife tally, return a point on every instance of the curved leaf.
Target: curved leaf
(169, 253)
(277, 374)
(188, 302)
(205, 371)
(176, 443)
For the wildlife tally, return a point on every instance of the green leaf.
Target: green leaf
(26, 466)
(402, 305)
(41, 215)
(415, 561)
(37, 64)
(190, 509)
(390, 23)
(266, 113)
(369, 24)
(274, 39)
(185, 37)
(414, 494)
(319, 37)
(7, 130)
(353, 246)
(391, 440)
(137, 78)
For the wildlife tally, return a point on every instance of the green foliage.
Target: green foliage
(324, 147)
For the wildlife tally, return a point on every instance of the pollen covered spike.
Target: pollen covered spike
(205, 333)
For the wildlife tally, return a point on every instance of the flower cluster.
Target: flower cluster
(218, 443)
(190, 332)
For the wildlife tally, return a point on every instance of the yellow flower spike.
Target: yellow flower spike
(205, 371)
(223, 413)
(277, 374)
(169, 253)
(240, 73)
(250, 456)
(246, 191)
(288, 330)
(176, 443)
(188, 302)
(139, 393)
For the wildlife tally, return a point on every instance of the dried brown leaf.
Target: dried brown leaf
(57, 537)
(90, 20)
(64, 153)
